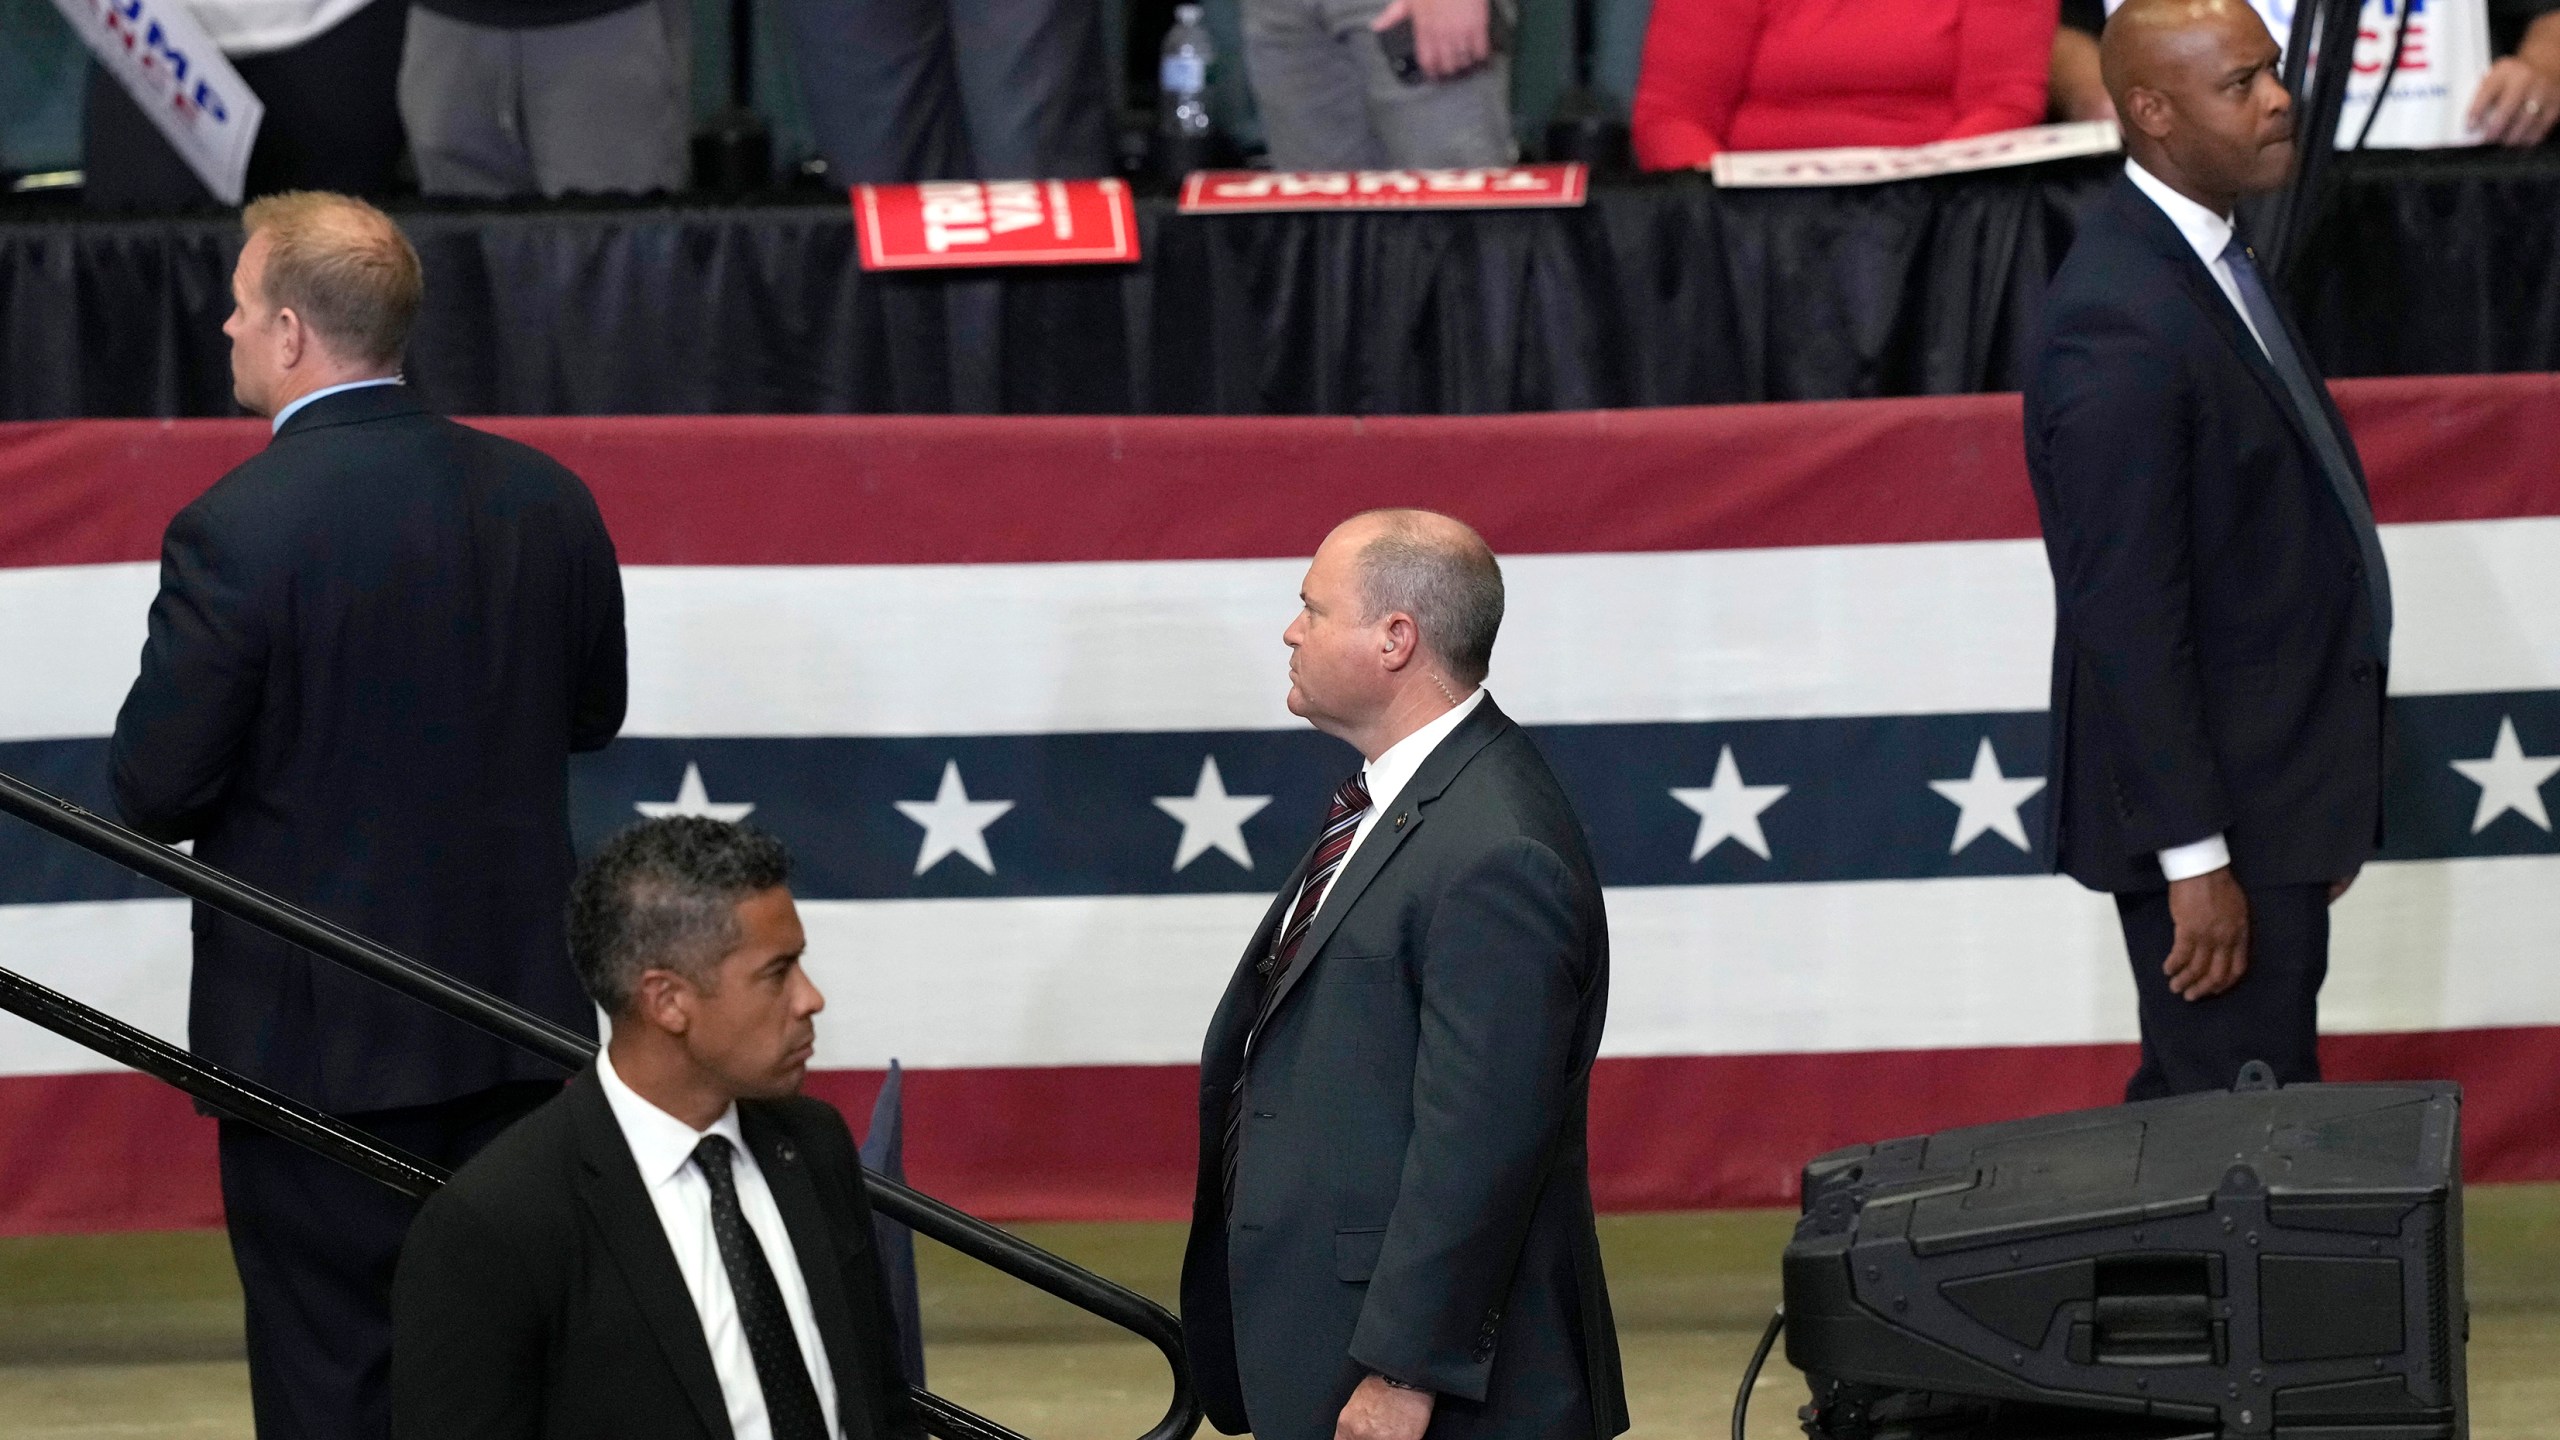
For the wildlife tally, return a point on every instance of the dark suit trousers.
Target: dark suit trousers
(333, 122)
(908, 90)
(316, 1244)
(2273, 1014)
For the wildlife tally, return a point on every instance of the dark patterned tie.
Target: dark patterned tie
(790, 1401)
(2287, 363)
(1341, 823)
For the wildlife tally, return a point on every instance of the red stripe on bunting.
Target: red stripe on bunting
(848, 490)
(123, 1152)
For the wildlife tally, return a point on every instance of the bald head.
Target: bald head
(1395, 625)
(1439, 571)
(2197, 86)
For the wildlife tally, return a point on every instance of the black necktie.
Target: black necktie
(790, 1401)
(2278, 343)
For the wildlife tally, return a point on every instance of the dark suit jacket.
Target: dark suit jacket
(2214, 661)
(375, 644)
(1414, 1194)
(538, 1297)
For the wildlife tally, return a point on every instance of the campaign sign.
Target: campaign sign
(1487, 187)
(1876, 164)
(946, 223)
(175, 72)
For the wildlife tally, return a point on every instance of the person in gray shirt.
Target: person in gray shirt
(508, 98)
(1337, 91)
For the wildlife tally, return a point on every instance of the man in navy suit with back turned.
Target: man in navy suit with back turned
(2223, 615)
(375, 644)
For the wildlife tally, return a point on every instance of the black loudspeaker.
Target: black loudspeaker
(2269, 1262)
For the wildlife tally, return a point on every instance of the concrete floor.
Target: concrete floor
(139, 1335)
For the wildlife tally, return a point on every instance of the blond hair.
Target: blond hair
(341, 265)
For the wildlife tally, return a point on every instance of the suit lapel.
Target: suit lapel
(609, 1185)
(786, 1174)
(2163, 235)
(2329, 413)
(1231, 1029)
(1395, 826)
(1277, 914)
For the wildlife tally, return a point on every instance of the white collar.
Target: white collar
(287, 412)
(2209, 233)
(661, 1144)
(1387, 775)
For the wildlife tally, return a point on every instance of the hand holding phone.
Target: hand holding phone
(1426, 40)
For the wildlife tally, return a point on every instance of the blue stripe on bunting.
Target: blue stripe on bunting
(1083, 818)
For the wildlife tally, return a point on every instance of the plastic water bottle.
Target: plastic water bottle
(1183, 102)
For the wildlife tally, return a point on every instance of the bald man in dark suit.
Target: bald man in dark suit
(1393, 1229)
(2223, 610)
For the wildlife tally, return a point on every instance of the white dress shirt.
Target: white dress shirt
(1387, 775)
(2210, 234)
(287, 412)
(663, 1146)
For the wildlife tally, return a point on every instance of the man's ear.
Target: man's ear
(663, 999)
(2147, 110)
(1400, 640)
(293, 338)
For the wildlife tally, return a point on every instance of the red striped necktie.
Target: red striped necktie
(1350, 804)
(1343, 822)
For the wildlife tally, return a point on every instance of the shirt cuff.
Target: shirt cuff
(2186, 862)
(1393, 1383)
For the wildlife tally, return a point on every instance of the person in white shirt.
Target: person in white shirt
(679, 1246)
(326, 71)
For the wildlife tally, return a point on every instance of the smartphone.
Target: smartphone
(1397, 41)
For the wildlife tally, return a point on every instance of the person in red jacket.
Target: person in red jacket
(1807, 74)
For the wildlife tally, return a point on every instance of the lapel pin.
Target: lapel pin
(1399, 822)
(783, 1152)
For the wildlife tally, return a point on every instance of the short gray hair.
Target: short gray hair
(1440, 572)
(663, 895)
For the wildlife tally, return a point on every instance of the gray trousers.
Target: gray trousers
(1329, 101)
(598, 106)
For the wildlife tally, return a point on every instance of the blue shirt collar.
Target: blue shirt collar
(288, 412)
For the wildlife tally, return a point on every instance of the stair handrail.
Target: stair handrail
(246, 1100)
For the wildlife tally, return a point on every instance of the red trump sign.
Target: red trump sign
(945, 223)
(1487, 187)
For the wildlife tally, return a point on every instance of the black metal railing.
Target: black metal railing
(255, 1104)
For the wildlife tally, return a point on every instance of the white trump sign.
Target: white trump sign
(173, 70)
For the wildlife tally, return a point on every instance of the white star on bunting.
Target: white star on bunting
(694, 798)
(1211, 818)
(1729, 809)
(953, 823)
(2509, 779)
(1987, 801)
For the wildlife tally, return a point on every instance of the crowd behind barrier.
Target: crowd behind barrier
(1851, 601)
(392, 97)
(1663, 293)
